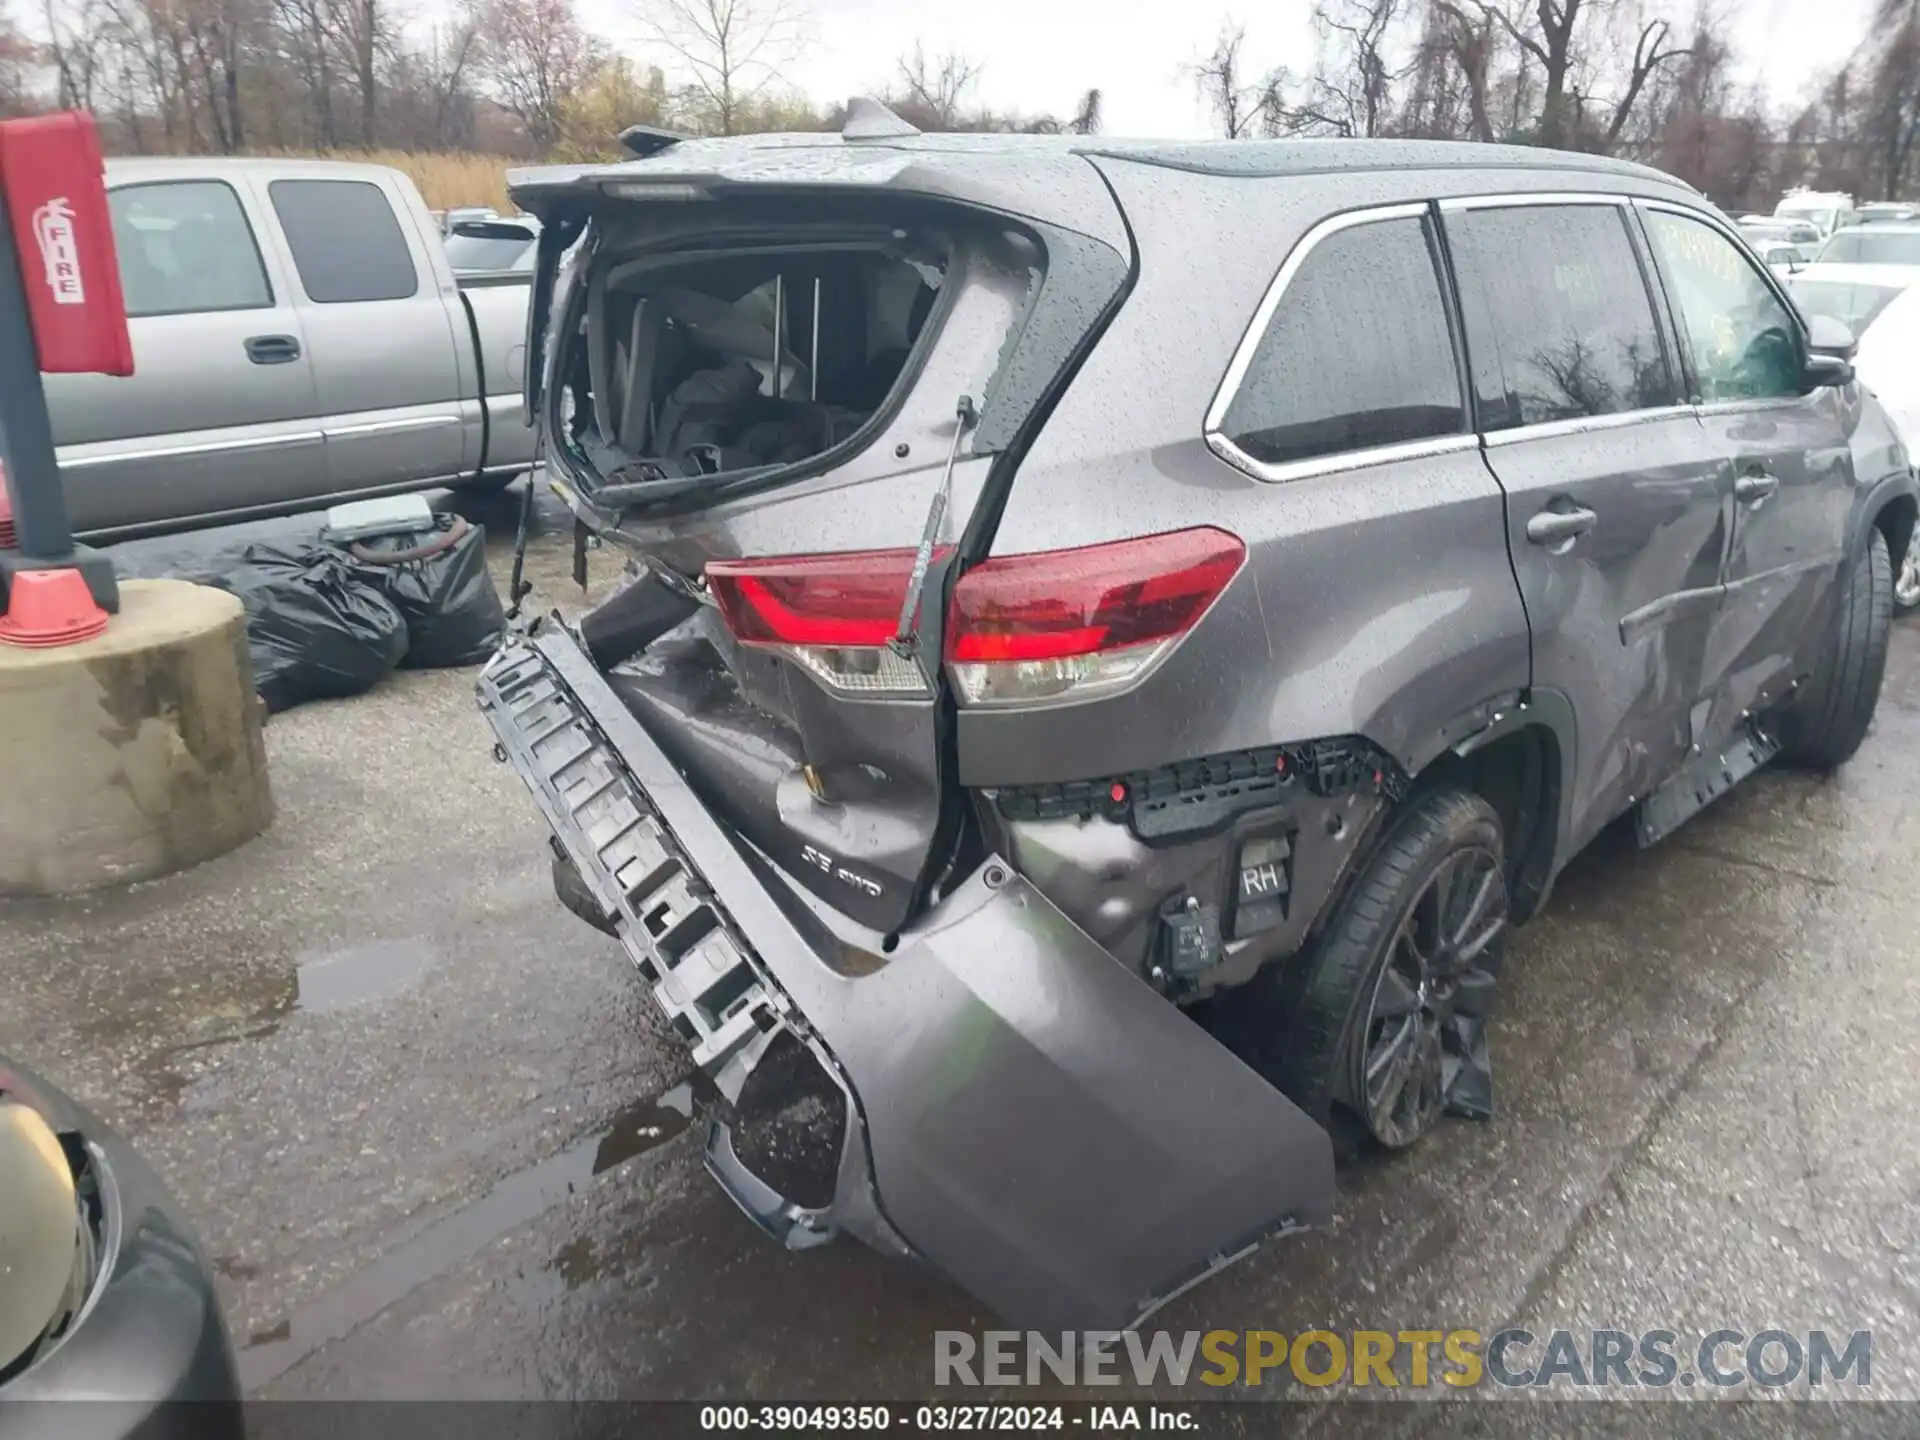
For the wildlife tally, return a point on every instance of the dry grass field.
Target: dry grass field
(445, 180)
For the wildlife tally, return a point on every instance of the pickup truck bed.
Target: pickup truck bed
(299, 339)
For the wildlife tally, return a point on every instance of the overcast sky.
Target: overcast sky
(1041, 54)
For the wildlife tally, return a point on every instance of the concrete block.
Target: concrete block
(135, 754)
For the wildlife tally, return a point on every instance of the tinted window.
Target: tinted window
(346, 242)
(1358, 353)
(1872, 247)
(1744, 342)
(1560, 325)
(186, 247)
(1854, 306)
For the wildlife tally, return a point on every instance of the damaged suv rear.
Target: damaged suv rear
(1043, 777)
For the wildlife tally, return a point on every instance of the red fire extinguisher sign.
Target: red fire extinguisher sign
(54, 181)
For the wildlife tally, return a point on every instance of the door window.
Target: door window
(1358, 353)
(1560, 323)
(185, 248)
(1744, 341)
(345, 240)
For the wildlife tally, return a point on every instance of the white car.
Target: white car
(1852, 294)
(1888, 363)
(1882, 243)
(1784, 259)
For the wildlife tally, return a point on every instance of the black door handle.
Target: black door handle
(1754, 486)
(272, 349)
(1560, 527)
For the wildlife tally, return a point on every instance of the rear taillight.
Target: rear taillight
(1076, 623)
(1052, 625)
(832, 614)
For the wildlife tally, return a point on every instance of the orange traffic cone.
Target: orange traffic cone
(50, 607)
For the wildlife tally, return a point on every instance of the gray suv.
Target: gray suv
(1118, 633)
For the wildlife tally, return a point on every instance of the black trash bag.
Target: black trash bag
(442, 587)
(315, 630)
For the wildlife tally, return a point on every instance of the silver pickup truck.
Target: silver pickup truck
(299, 338)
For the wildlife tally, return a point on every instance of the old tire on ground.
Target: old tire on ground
(1829, 718)
(1386, 1020)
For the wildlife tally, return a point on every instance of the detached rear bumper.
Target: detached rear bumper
(1021, 1111)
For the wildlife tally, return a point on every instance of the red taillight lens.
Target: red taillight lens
(853, 599)
(1058, 604)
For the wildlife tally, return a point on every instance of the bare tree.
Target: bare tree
(535, 56)
(1650, 52)
(1086, 115)
(1350, 92)
(16, 66)
(730, 50)
(935, 89)
(1241, 105)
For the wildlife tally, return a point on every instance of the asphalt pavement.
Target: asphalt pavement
(437, 1142)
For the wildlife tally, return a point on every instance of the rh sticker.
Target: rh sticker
(59, 252)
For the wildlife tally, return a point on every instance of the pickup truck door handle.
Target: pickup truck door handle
(1754, 486)
(1560, 527)
(272, 349)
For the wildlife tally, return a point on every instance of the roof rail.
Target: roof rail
(644, 140)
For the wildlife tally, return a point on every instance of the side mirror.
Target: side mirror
(1830, 351)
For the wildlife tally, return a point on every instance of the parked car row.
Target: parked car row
(299, 337)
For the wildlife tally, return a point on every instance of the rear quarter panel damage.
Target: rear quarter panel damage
(1376, 602)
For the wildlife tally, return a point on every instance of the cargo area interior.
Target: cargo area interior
(744, 358)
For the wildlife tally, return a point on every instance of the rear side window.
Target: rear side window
(186, 248)
(1560, 323)
(346, 242)
(1358, 353)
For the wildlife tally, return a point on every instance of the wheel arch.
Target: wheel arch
(1519, 765)
(1890, 507)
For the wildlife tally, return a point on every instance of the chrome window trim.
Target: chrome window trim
(1343, 461)
(1255, 332)
(1581, 424)
(1516, 199)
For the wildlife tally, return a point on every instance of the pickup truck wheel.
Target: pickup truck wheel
(1390, 1021)
(1826, 722)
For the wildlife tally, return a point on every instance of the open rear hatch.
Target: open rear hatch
(792, 378)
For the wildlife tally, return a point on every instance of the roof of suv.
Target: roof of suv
(1227, 158)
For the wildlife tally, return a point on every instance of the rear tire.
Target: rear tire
(1825, 725)
(1386, 1019)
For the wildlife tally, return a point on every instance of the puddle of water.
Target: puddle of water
(360, 974)
(639, 1128)
(455, 1238)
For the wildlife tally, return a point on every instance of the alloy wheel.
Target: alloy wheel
(1906, 585)
(1423, 1047)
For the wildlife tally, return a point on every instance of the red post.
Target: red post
(56, 256)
